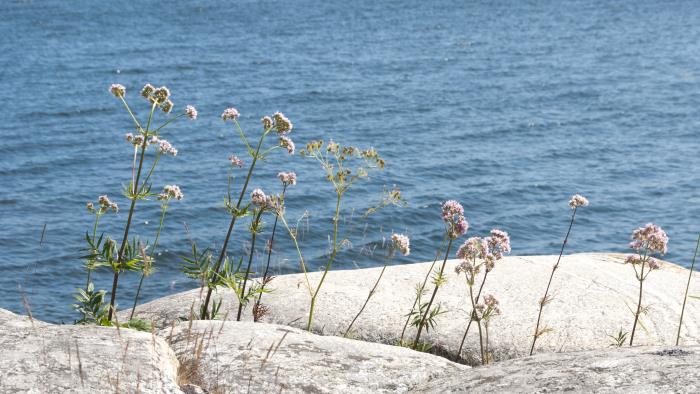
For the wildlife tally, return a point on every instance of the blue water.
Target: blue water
(507, 108)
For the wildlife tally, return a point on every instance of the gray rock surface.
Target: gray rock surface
(626, 370)
(38, 357)
(259, 357)
(593, 295)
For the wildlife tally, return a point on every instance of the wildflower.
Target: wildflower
(191, 112)
(459, 227)
(117, 90)
(137, 140)
(105, 203)
(165, 148)
(499, 243)
(90, 207)
(464, 266)
(491, 303)
(633, 259)
(402, 243)
(167, 106)
(129, 137)
(653, 264)
(473, 248)
(161, 94)
(282, 124)
(235, 161)
(288, 178)
(286, 142)
(258, 197)
(450, 209)
(578, 200)
(267, 122)
(171, 191)
(651, 237)
(230, 114)
(147, 90)
(153, 140)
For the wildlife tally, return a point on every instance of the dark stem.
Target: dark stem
(217, 267)
(269, 252)
(420, 291)
(432, 298)
(125, 239)
(543, 301)
(250, 262)
(639, 304)
(687, 287)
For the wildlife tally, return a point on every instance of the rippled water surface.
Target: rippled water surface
(507, 108)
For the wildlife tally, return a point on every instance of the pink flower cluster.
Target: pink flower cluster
(117, 90)
(636, 259)
(235, 161)
(165, 147)
(191, 112)
(288, 178)
(401, 243)
(578, 200)
(453, 216)
(282, 124)
(171, 191)
(258, 197)
(650, 237)
(230, 114)
(489, 249)
(105, 203)
(287, 143)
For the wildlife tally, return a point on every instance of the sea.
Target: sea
(507, 107)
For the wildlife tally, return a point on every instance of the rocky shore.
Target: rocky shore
(593, 294)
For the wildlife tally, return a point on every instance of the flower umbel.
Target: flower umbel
(230, 114)
(578, 200)
(191, 112)
(288, 178)
(401, 243)
(117, 90)
(287, 143)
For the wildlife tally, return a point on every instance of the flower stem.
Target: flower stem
(420, 291)
(432, 298)
(164, 208)
(472, 314)
(371, 293)
(254, 229)
(217, 266)
(125, 239)
(478, 323)
(334, 251)
(639, 303)
(269, 251)
(687, 287)
(543, 301)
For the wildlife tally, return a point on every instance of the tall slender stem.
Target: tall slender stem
(269, 251)
(471, 315)
(639, 302)
(478, 323)
(687, 287)
(254, 230)
(125, 239)
(334, 251)
(164, 208)
(420, 291)
(432, 298)
(543, 301)
(371, 293)
(217, 266)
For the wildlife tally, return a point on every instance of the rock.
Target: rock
(629, 370)
(259, 357)
(44, 358)
(593, 296)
